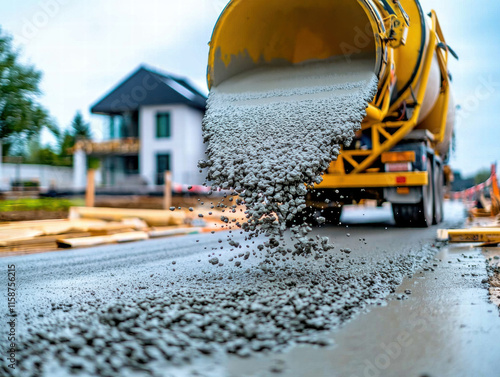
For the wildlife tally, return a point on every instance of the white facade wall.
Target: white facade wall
(185, 146)
(79, 170)
(61, 177)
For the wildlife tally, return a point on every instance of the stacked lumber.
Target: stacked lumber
(89, 226)
(153, 217)
(102, 240)
(480, 212)
(37, 236)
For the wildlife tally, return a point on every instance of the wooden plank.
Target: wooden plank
(168, 231)
(167, 193)
(29, 224)
(153, 217)
(51, 223)
(45, 233)
(90, 191)
(19, 234)
(442, 235)
(135, 223)
(42, 247)
(487, 235)
(23, 250)
(480, 213)
(102, 240)
(41, 240)
(60, 227)
(108, 232)
(73, 226)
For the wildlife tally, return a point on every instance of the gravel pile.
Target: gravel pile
(265, 308)
(273, 130)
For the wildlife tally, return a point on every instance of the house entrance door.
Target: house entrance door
(162, 165)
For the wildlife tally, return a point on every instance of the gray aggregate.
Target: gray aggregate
(273, 131)
(267, 308)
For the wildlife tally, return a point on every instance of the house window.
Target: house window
(163, 125)
(162, 165)
(131, 165)
(111, 127)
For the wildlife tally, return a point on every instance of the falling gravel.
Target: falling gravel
(272, 132)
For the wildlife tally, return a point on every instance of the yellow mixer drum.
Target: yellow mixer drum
(253, 33)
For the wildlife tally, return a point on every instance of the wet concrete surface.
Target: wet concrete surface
(492, 254)
(444, 327)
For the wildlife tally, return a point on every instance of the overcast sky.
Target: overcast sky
(85, 47)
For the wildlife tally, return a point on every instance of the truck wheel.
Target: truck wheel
(438, 194)
(420, 214)
(332, 214)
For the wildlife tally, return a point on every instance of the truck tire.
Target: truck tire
(332, 214)
(438, 194)
(420, 214)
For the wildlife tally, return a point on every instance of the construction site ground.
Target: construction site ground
(439, 322)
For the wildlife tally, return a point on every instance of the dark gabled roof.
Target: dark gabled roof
(146, 86)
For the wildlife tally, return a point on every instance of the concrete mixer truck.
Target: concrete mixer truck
(399, 155)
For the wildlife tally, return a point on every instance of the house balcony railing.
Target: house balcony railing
(125, 146)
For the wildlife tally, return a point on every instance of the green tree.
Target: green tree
(41, 154)
(482, 176)
(80, 129)
(66, 142)
(21, 116)
(34, 152)
(47, 156)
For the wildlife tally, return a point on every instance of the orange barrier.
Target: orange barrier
(476, 193)
(495, 193)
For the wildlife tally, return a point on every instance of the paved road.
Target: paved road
(442, 326)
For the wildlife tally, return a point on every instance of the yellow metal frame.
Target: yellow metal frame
(403, 63)
(362, 160)
(374, 180)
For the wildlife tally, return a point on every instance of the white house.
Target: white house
(154, 126)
